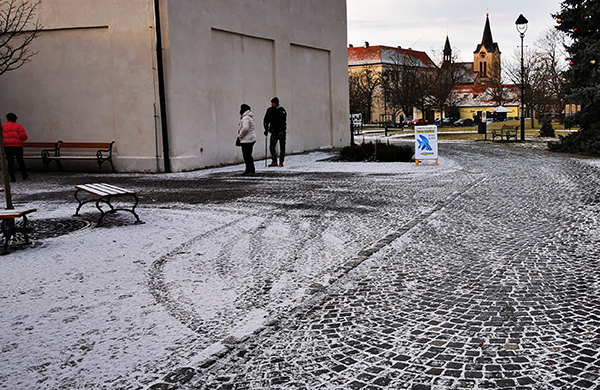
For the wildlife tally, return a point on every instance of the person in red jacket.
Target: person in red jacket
(14, 136)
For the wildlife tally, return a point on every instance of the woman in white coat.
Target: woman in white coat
(247, 137)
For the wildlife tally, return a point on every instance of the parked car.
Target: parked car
(449, 121)
(418, 122)
(464, 122)
(406, 120)
(438, 122)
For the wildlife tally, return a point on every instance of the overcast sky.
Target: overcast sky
(423, 24)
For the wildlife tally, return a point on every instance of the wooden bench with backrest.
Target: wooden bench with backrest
(61, 151)
(102, 151)
(40, 151)
(506, 131)
(7, 232)
(105, 193)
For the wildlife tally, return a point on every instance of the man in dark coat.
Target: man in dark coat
(275, 122)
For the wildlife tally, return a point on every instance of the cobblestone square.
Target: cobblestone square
(481, 273)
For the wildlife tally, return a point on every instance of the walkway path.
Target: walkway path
(489, 279)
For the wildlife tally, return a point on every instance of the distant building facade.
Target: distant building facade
(480, 88)
(96, 77)
(379, 60)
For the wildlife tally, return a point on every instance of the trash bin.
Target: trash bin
(482, 128)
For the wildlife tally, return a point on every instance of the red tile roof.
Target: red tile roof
(388, 55)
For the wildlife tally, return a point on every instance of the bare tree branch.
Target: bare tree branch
(19, 26)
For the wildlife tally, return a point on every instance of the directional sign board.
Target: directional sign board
(356, 119)
(426, 143)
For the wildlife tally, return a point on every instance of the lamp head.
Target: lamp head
(521, 23)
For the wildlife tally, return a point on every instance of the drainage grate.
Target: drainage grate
(54, 227)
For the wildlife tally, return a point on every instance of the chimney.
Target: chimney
(366, 45)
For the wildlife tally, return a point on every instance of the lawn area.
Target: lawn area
(470, 133)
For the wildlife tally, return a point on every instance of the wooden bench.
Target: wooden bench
(40, 150)
(8, 233)
(102, 151)
(506, 131)
(57, 152)
(105, 193)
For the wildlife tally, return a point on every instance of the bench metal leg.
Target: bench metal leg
(112, 210)
(101, 161)
(7, 236)
(81, 202)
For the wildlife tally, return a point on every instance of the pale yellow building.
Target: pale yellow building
(377, 59)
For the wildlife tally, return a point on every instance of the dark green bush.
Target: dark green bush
(547, 130)
(379, 152)
(584, 141)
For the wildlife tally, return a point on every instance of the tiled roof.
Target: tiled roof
(468, 75)
(474, 96)
(388, 55)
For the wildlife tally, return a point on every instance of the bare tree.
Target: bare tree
(409, 84)
(446, 78)
(551, 50)
(362, 83)
(19, 26)
(542, 73)
(401, 80)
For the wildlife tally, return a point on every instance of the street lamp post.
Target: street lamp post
(385, 84)
(521, 24)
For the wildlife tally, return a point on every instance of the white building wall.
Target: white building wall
(94, 78)
(225, 53)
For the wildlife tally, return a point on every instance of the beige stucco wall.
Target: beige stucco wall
(94, 78)
(225, 53)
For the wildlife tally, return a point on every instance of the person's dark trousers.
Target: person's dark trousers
(13, 152)
(277, 137)
(248, 160)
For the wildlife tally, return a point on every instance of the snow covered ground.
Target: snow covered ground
(116, 307)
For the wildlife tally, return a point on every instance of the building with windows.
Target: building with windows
(480, 88)
(172, 102)
(369, 66)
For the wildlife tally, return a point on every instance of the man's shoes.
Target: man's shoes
(25, 176)
(273, 164)
(281, 164)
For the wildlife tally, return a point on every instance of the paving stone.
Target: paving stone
(489, 282)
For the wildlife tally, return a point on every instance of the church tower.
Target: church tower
(447, 51)
(487, 56)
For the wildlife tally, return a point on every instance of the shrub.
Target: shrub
(584, 141)
(547, 130)
(378, 152)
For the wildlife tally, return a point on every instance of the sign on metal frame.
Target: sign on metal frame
(426, 143)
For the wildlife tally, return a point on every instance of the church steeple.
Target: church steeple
(487, 55)
(487, 41)
(447, 51)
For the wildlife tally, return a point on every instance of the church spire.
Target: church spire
(487, 40)
(447, 51)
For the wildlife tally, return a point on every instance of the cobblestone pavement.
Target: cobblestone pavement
(485, 277)
(479, 273)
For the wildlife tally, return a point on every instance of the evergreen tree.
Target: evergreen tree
(579, 20)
